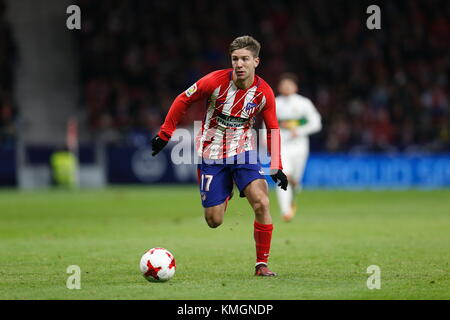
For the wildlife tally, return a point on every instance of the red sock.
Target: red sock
(263, 236)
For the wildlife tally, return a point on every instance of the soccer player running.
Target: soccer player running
(226, 142)
(298, 119)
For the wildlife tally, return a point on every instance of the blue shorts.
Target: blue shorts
(216, 179)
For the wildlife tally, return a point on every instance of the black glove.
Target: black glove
(158, 144)
(279, 175)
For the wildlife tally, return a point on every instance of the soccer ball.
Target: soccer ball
(157, 265)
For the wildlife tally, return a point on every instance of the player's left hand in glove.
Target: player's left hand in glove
(158, 144)
(280, 178)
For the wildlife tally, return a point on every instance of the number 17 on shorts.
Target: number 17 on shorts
(205, 182)
(216, 184)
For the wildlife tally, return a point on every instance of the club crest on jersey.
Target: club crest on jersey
(191, 90)
(250, 105)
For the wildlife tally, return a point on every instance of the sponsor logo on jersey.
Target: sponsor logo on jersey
(230, 121)
(189, 92)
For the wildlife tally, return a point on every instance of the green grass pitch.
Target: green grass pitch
(323, 254)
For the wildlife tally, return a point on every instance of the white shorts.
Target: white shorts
(294, 162)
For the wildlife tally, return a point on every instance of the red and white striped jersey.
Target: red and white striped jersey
(230, 115)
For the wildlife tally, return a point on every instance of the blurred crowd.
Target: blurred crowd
(7, 62)
(381, 90)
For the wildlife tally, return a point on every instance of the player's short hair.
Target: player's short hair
(246, 42)
(289, 76)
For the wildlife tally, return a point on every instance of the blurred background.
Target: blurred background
(103, 91)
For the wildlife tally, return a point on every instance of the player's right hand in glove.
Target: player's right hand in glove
(280, 178)
(158, 144)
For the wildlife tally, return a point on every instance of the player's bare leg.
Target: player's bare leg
(257, 193)
(293, 208)
(294, 184)
(286, 200)
(258, 197)
(214, 215)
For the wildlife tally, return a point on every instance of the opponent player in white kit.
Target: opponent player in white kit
(298, 118)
